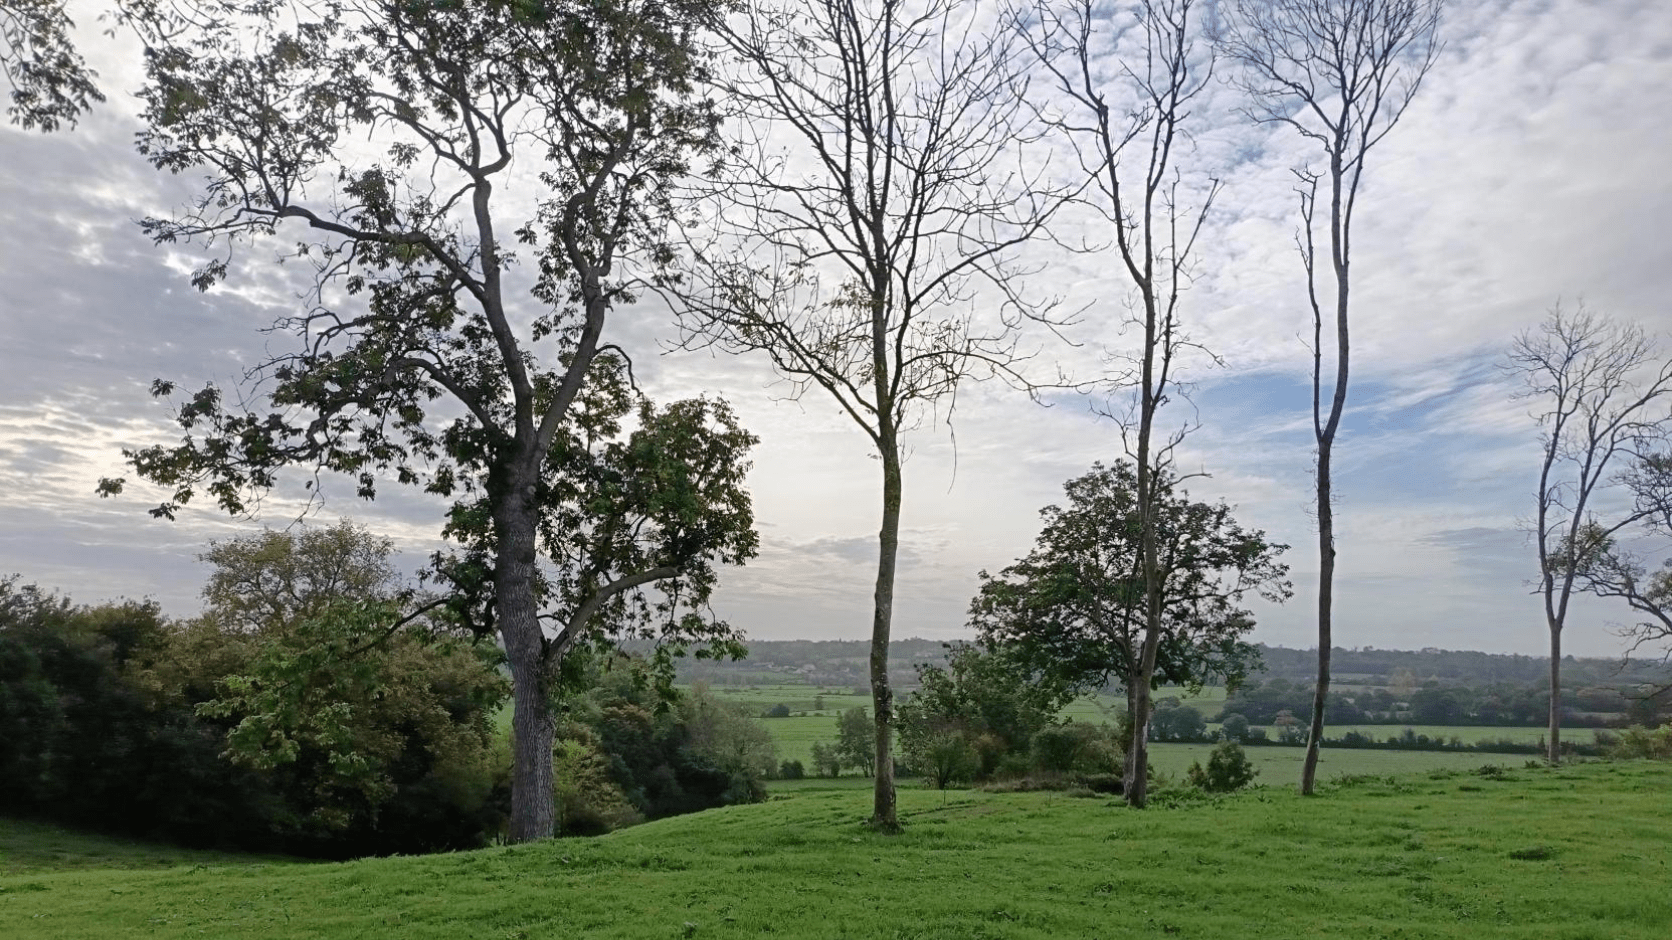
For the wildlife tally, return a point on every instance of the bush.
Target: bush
(1640, 742)
(792, 770)
(1075, 748)
(779, 710)
(1234, 727)
(1228, 769)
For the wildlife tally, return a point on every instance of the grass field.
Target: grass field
(1573, 853)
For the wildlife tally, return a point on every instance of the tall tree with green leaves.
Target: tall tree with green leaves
(454, 335)
(1076, 607)
(1340, 73)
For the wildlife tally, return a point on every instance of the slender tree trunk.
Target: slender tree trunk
(1137, 788)
(532, 728)
(1326, 602)
(1554, 752)
(884, 816)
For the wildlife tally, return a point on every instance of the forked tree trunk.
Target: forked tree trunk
(884, 816)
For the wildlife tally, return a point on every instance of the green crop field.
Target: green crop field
(1575, 852)
(1468, 734)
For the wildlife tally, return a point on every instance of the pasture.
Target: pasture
(1574, 852)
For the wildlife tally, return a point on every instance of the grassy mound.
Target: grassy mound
(1575, 852)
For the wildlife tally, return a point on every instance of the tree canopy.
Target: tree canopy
(452, 337)
(1075, 604)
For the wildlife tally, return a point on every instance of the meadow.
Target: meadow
(1573, 853)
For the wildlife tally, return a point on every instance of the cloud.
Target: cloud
(1530, 167)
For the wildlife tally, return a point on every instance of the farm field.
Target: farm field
(1573, 852)
(1468, 734)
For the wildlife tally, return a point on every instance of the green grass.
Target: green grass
(1572, 854)
(28, 847)
(1281, 765)
(1469, 734)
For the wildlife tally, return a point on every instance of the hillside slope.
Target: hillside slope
(1576, 852)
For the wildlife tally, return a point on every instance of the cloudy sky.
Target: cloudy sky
(1532, 166)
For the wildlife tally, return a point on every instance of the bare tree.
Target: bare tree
(857, 235)
(1340, 73)
(1128, 132)
(1603, 396)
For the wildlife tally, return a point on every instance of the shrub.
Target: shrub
(1235, 727)
(1228, 769)
(779, 710)
(792, 770)
(1075, 748)
(1640, 742)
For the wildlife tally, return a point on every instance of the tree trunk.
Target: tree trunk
(533, 731)
(1554, 752)
(1326, 601)
(884, 816)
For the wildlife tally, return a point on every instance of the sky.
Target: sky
(1530, 169)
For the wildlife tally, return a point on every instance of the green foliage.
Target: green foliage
(827, 761)
(1172, 721)
(1234, 727)
(665, 756)
(943, 757)
(1077, 749)
(856, 740)
(1074, 606)
(1640, 742)
(987, 699)
(1228, 769)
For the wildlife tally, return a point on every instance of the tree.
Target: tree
(1228, 769)
(1340, 73)
(1075, 606)
(1172, 721)
(1603, 397)
(279, 576)
(986, 695)
(852, 234)
(826, 761)
(856, 740)
(1127, 133)
(1234, 727)
(418, 362)
(50, 80)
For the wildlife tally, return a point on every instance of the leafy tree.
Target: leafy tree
(264, 581)
(985, 697)
(455, 340)
(943, 755)
(1234, 727)
(1174, 722)
(856, 740)
(50, 80)
(827, 761)
(1075, 607)
(1076, 748)
(1228, 769)
(1339, 74)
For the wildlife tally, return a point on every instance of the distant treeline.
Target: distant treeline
(1508, 704)
(844, 663)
